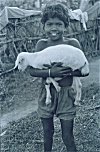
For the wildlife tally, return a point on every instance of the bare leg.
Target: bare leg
(48, 128)
(67, 135)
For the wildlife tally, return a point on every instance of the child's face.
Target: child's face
(54, 28)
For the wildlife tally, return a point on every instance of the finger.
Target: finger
(47, 65)
(66, 70)
(65, 75)
(59, 64)
(54, 64)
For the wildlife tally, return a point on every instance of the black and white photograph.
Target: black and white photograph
(49, 75)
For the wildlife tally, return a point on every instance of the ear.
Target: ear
(18, 61)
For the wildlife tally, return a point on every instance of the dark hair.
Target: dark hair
(55, 10)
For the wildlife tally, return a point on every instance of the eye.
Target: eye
(59, 24)
(21, 61)
(49, 24)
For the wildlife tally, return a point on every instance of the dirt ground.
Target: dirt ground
(21, 129)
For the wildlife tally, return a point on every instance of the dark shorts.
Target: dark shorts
(62, 104)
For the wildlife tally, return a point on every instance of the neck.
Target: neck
(52, 42)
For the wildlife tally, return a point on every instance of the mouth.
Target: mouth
(54, 33)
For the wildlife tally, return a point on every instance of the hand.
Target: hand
(60, 71)
(57, 70)
(53, 64)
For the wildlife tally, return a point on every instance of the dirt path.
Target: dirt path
(30, 107)
(18, 113)
(94, 73)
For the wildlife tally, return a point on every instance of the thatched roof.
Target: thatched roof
(15, 12)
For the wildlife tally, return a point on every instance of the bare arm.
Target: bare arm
(37, 72)
(55, 71)
(77, 72)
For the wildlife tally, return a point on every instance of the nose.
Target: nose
(54, 27)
